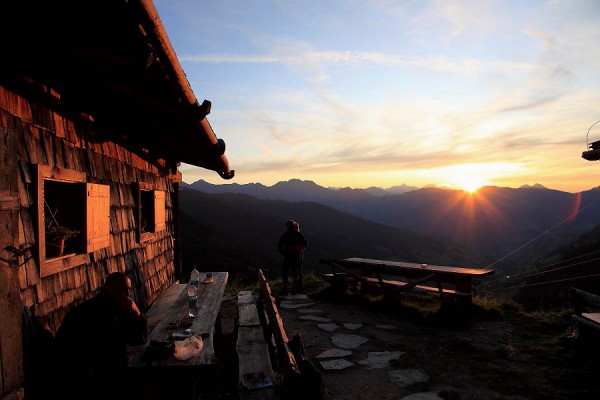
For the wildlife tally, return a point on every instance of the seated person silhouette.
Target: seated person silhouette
(92, 342)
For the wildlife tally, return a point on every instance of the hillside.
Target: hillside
(493, 222)
(233, 232)
(547, 282)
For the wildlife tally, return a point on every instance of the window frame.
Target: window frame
(158, 209)
(55, 265)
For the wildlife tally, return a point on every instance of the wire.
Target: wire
(543, 233)
(544, 283)
(515, 276)
(559, 268)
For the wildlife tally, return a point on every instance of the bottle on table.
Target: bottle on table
(192, 300)
(195, 278)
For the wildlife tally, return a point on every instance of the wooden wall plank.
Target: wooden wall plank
(59, 125)
(62, 174)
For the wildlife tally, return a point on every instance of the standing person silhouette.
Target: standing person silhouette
(92, 342)
(292, 244)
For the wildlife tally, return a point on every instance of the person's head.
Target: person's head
(117, 285)
(290, 224)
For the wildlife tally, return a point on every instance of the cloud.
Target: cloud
(230, 58)
(318, 59)
(437, 84)
(547, 40)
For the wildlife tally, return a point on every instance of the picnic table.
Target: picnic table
(452, 282)
(165, 318)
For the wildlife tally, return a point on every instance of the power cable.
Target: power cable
(543, 283)
(515, 276)
(543, 233)
(559, 268)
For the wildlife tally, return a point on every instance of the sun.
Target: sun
(470, 183)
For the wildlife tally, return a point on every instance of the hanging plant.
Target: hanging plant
(57, 232)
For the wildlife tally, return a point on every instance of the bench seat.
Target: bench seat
(394, 284)
(591, 320)
(256, 377)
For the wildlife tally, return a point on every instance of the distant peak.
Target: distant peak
(297, 182)
(535, 186)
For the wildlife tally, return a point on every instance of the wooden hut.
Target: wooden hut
(96, 115)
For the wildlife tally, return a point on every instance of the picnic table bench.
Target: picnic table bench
(165, 318)
(449, 282)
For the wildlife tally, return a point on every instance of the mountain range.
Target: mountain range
(286, 190)
(507, 227)
(236, 232)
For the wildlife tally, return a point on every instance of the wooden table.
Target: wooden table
(170, 308)
(374, 271)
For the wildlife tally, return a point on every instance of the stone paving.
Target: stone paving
(345, 341)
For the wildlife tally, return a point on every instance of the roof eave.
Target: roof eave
(153, 26)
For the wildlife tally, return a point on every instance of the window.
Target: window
(64, 218)
(73, 219)
(151, 214)
(146, 211)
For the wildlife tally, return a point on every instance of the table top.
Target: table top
(391, 266)
(172, 307)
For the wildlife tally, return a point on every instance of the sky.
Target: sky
(345, 93)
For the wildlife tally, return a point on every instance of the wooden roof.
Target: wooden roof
(112, 61)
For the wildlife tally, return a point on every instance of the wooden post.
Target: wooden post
(176, 233)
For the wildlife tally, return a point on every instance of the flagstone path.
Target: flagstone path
(343, 348)
(368, 353)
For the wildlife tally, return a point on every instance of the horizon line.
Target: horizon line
(523, 186)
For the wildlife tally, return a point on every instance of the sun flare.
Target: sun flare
(470, 183)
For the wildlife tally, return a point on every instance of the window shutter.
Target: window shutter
(160, 218)
(97, 216)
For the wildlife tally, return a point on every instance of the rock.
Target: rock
(314, 318)
(290, 305)
(405, 377)
(295, 297)
(331, 327)
(422, 396)
(311, 310)
(336, 364)
(331, 353)
(388, 327)
(380, 359)
(347, 341)
(352, 326)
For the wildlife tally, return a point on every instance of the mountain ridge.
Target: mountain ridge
(493, 222)
(237, 232)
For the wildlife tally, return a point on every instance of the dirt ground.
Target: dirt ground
(482, 358)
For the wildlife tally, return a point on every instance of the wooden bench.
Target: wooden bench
(266, 353)
(256, 377)
(285, 358)
(398, 286)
